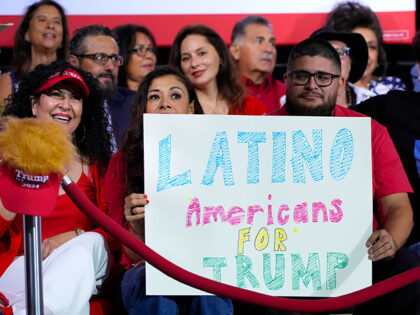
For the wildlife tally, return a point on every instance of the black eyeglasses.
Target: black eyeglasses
(102, 59)
(141, 51)
(322, 79)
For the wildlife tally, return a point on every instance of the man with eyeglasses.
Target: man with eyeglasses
(353, 52)
(254, 49)
(94, 48)
(312, 81)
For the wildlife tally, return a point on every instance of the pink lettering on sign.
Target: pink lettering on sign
(300, 214)
(194, 207)
(214, 212)
(336, 216)
(270, 213)
(316, 207)
(252, 210)
(282, 220)
(235, 215)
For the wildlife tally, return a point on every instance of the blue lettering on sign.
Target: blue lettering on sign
(303, 151)
(252, 138)
(342, 153)
(279, 157)
(219, 157)
(164, 177)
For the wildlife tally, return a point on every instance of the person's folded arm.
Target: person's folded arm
(397, 222)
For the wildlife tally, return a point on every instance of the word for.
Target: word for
(236, 215)
(341, 158)
(262, 239)
(309, 273)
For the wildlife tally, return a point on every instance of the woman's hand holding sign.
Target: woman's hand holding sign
(134, 212)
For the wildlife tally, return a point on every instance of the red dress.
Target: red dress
(250, 106)
(64, 218)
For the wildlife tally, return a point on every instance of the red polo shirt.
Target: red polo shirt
(269, 92)
(388, 175)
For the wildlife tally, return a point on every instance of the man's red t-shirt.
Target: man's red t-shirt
(388, 175)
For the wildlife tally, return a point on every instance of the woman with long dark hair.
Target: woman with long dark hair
(41, 38)
(163, 91)
(202, 55)
(75, 263)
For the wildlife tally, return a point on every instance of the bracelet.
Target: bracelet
(79, 232)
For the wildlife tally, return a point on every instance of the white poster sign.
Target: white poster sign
(278, 205)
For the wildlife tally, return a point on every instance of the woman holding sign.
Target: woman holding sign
(163, 91)
(205, 60)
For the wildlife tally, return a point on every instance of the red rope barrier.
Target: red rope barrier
(228, 291)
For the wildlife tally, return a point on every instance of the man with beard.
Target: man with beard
(254, 49)
(312, 81)
(94, 48)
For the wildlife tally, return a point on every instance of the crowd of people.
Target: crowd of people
(99, 83)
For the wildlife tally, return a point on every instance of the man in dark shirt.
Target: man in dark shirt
(94, 49)
(399, 111)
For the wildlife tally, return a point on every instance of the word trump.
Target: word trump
(23, 177)
(275, 278)
(311, 152)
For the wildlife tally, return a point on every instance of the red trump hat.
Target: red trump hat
(26, 193)
(69, 75)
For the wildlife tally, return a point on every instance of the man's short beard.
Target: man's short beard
(109, 91)
(109, 87)
(296, 109)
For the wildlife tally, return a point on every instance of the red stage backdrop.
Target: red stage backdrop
(292, 21)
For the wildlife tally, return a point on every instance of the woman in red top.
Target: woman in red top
(163, 91)
(74, 263)
(205, 60)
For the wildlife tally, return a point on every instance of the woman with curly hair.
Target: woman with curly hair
(354, 17)
(75, 263)
(42, 37)
(204, 58)
(163, 91)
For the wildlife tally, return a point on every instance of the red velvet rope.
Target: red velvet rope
(228, 291)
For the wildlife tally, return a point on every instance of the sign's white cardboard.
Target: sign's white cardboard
(278, 205)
